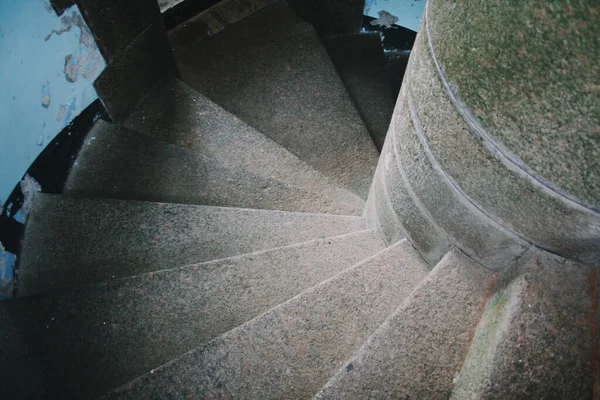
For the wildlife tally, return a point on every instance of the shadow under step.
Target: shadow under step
(271, 70)
(89, 340)
(419, 349)
(291, 350)
(175, 113)
(70, 241)
(537, 338)
(118, 163)
(361, 63)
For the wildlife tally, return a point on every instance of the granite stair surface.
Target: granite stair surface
(272, 71)
(291, 350)
(73, 241)
(118, 163)
(175, 113)
(361, 63)
(99, 336)
(216, 244)
(418, 350)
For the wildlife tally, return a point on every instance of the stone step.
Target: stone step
(271, 70)
(119, 163)
(360, 61)
(291, 350)
(536, 339)
(419, 349)
(70, 241)
(175, 113)
(89, 340)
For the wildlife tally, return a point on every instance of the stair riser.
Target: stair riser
(419, 349)
(101, 336)
(175, 113)
(122, 164)
(70, 242)
(291, 350)
(272, 71)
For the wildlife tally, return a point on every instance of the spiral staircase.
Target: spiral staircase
(217, 245)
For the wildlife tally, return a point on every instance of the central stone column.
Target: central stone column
(495, 141)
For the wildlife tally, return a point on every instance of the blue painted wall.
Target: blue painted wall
(407, 12)
(48, 66)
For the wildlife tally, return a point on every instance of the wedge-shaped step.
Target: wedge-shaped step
(70, 242)
(290, 351)
(119, 163)
(418, 350)
(536, 338)
(98, 337)
(362, 65)
(272, 71)
(175, 113)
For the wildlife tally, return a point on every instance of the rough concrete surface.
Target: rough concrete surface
(290, 351)
(175, 113)
(272, 71)
(118, 163)
(362, 65)
(70, 241)
(536, 337)
(503, 191)
(417, 351)
(89, 340)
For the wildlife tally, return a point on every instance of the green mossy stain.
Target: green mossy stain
(530, 72)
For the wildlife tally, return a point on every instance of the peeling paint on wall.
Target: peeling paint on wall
(66, 110)
(407, 12)
(87, 59)
(46, 95)
(7, 264)
(385, 19)
(49, 64)
(29, 187)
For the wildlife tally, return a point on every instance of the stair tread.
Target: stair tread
(271, 70)
(103, 335)
(292, 349)
(116, 162)
(361, 63)
(73, 241)
(536, 337)
(177, 114)
(419, 349)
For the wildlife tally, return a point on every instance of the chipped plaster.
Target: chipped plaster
(47, 74)
(406, 12)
